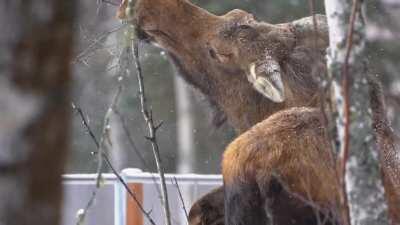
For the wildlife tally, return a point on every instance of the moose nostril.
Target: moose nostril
(212, 53)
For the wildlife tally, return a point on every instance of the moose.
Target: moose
(264, 79)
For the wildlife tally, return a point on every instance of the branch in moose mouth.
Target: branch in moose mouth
(265, 76)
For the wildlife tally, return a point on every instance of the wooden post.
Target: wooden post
(133, 214)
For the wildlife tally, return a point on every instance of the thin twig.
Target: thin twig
(125, 64)
(181, 198)
(344, 154)
(109, 164)
(109, 2)
(130, 139)
(135, 148)
(311, 5)
(314, 55)
(82, 214)
(152, 131)
(323, 80)
(325, 83)
(85, 123)
(100, 150)
(101, 37)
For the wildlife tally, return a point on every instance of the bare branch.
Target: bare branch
(109, 2)
(109, 164)
(85, 123)
(81, 214)
(152, 132)
(82, 57)
(311, 5)
(134, 147)
(125, 63)
(324, 103)
(181, 198)
(344, 154)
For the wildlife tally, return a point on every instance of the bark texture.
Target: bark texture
(36, 43)
(364, 187)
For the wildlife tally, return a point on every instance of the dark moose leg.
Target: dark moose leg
(244, 205)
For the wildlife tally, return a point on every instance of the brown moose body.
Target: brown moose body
(264, 79)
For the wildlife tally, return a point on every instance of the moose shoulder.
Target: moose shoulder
(264, 78)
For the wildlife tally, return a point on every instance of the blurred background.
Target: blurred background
(189, 142)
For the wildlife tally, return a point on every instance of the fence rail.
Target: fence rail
(113, 205)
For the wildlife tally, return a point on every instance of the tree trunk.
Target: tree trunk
(36, 43)
(184, 114)
(185, 139)
(363, 182)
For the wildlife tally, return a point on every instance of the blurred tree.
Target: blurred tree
(36, 43)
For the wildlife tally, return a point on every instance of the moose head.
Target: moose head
(247, 68)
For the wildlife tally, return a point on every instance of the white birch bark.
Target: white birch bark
(364, 186)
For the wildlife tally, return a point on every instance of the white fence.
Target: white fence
(114, 206)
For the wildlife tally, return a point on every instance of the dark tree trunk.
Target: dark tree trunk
(36, 46)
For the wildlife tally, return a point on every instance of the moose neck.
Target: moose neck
(242, 105)
(231, 92)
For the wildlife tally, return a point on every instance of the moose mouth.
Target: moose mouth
(265, 76)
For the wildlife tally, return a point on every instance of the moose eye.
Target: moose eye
(245, 33)
(244, 27)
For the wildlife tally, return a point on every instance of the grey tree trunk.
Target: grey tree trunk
(364, 187)
(36, 45)
(185, 138)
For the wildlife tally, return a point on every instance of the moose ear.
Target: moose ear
(239, 16)
(266, 78)
(308, 34)
(121, 10)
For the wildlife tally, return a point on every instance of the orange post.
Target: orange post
(133, 214)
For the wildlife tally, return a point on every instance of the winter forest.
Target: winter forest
(200, 112)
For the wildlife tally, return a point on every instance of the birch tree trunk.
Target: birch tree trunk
(363, 182)
(35, 40)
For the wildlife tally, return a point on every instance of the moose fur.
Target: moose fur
(279, 169)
